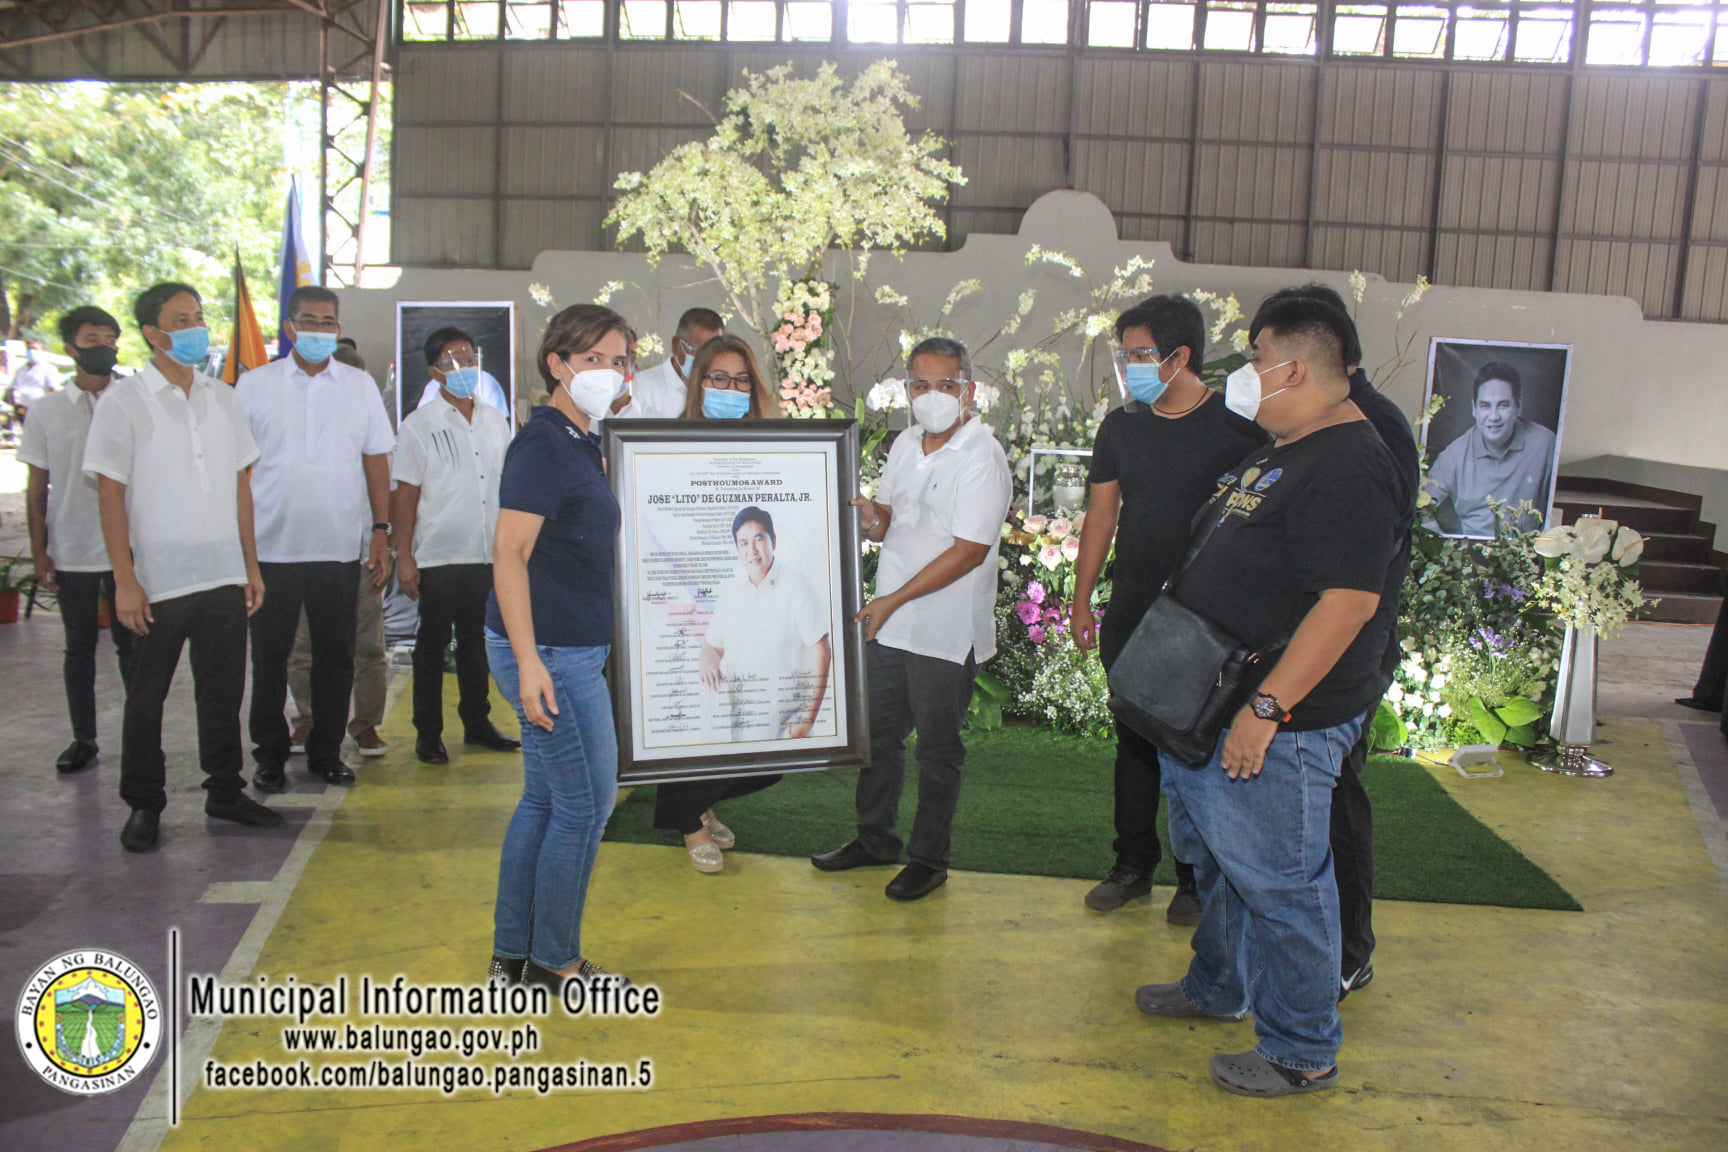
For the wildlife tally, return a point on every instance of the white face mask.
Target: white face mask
(936, 412)
(1242, 389)
(594, 390)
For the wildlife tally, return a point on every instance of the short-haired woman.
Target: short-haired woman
(725, 382)
(548, 632)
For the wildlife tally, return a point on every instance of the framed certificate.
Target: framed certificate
(735, 650)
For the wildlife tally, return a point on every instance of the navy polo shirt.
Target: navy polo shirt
(553, 471)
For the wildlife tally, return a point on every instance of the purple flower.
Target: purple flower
(1027, 611)
(1035, 592)
(1036, 633)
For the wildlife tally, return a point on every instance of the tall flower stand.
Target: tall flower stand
(1573, 724)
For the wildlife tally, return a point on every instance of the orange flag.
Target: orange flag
(246, 346)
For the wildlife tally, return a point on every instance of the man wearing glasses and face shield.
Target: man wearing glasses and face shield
(452, 354)
(938, 514)
(659, 393)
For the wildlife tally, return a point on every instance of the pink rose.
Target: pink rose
(1027, 611)
(1035, 634)
(815, 325)
(1071, 548)
(1050, 556)
(1060, 527)
(1035, 592)
(1079, 522)
(1035, 524)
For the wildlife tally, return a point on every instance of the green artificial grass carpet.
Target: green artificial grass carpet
(1038, 803)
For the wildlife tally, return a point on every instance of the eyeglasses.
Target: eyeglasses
(741, 383)
(451, 360)
(311, 324)
(1139, 355)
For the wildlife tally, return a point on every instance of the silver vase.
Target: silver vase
(1573, 723)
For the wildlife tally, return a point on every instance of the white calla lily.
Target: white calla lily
(1555, 542)
(1628, 546)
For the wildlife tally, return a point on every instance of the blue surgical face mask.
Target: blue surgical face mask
(190, 346)
(315, 347)
(1144, 383)
(461, 382)
(724, 404)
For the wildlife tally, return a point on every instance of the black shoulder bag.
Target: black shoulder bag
(1180, 677)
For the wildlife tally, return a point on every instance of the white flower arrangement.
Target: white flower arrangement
(1591, 578)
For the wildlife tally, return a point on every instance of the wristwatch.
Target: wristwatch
(1266, 706)
(384, 528)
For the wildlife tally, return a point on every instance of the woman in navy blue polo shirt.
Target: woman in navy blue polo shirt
(548, 631)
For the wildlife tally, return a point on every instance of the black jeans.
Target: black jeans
(1353, 857)
(1139, 779)
(911, 693)
(327, 590)
(679, 807)
(452, 596)
(213, 624)
(80, 600)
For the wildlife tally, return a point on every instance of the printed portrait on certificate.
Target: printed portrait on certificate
(736, 597)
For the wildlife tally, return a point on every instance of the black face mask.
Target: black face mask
(97, 360)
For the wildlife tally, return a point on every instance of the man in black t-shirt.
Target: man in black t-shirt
(1352, 814)
(1302, 535)
(1155, 461)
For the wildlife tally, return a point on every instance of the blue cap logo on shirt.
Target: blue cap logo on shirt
(1268, 480)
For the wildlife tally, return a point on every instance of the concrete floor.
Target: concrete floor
(795, 993)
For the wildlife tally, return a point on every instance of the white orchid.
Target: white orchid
(986, 396)
(888, 394)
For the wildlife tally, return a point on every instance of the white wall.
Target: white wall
(1648, 390)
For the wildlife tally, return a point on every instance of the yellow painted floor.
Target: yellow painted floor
(1002, 997)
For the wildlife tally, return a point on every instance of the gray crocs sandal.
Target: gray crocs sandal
(1251, 1074)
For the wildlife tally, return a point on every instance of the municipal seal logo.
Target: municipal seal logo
(89, 1022)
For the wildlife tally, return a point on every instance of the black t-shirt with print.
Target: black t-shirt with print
(1167, 469)
(1293, 521)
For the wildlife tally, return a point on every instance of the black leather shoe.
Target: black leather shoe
(335, 772)
(139, 835)
(431, 752)
(916, 881)
(77, 757)
(269, 776)
(240, 808)
(1692, 702)
(505, 970)
(490, 737)
(851, 854)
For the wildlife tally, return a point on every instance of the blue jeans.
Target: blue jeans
(569, 786)
(1268, 939)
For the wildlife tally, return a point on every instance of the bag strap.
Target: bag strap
(1207, 525)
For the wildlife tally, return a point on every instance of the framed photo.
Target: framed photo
(492, 324)
(1057, 481)
(735, 651)
(1496, 438)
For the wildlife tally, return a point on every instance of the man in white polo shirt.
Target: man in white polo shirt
(65, 524)
(322, 486)
(661, 392)
(767, 647)
(938, 512)
(445, 508)
(171, 450)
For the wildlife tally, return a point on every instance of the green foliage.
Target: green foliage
(989, 697)
(795, 167)
(108, 188)
(1387, 732)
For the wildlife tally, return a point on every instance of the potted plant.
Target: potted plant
(17, 581)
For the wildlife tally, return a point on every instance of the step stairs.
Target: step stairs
(1679, 565)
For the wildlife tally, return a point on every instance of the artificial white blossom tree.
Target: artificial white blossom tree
(796, 166)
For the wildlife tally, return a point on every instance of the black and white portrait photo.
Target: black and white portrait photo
(1496, 439)
(473, 343)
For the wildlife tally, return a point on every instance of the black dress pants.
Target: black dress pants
(452, 597)
(1713, 676)
(213, 624)
(679, 807)
(1139, 779)
(80, 601)
(328, 591)
(1353, 857)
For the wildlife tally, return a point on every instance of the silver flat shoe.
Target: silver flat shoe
(719, 833)
(706, 858)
